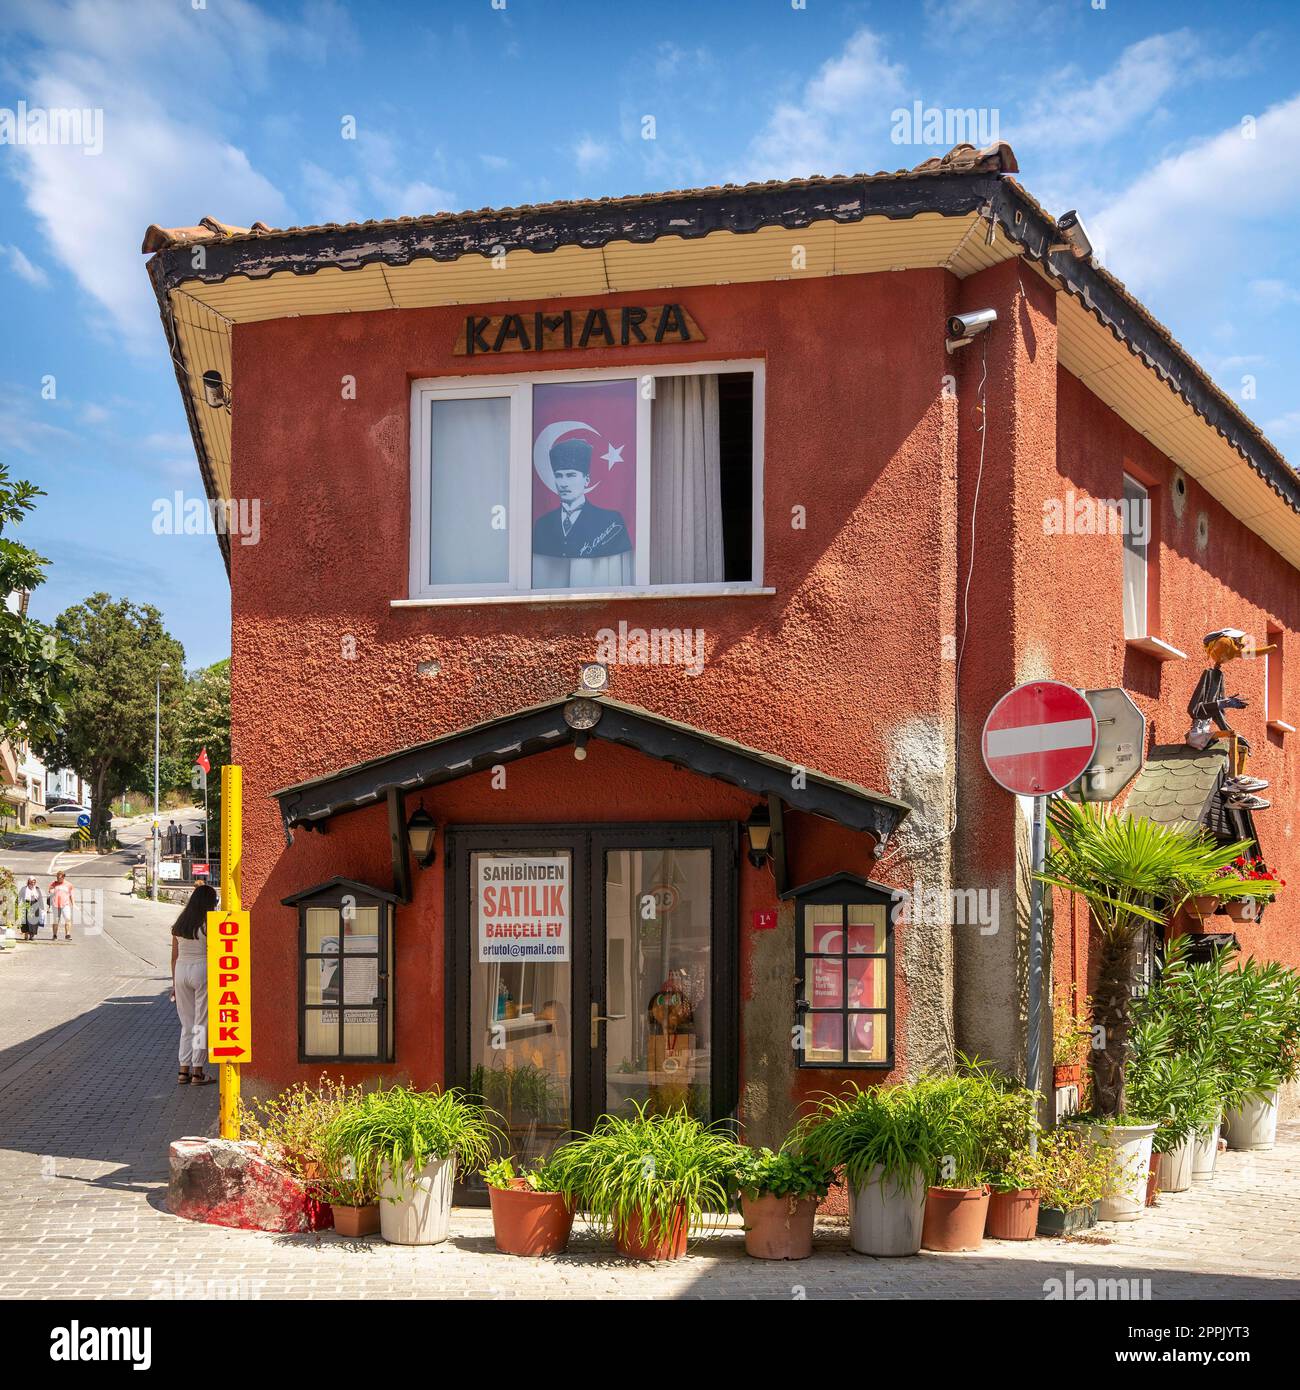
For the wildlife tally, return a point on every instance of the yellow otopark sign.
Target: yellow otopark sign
(230, 1015)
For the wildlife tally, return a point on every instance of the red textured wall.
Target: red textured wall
(1235, 581)
(854, 434)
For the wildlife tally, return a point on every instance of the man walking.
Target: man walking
(62, 901)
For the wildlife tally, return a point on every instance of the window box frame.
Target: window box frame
(330, 895)
(517, 388)
(844, 890)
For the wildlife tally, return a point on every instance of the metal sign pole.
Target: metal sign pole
(1038, 855)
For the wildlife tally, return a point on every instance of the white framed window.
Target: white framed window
(623, 480)
(1137, 504)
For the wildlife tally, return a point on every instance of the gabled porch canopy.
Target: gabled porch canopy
(575, 720)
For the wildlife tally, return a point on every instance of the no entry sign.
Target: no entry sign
(1039, 737)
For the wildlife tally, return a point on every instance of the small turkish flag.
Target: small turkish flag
(202, 761)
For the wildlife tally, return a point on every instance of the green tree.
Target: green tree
(32, 675)
(116, 651)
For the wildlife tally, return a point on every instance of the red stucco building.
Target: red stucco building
(715, 442)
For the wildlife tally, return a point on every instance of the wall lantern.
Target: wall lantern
(420, 832)
(215, 391)
(758, 830)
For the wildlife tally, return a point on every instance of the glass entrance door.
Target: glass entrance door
(590, 967)
(655, 1031)
(521, 990)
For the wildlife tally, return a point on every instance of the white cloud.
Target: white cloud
(23, 268)
(1274, 294)
(590, 154)
(1282, 425)
(840, 120)
(377, 188)
(494, 161)
(1068, 112)
(166, 163)
(1200, 207)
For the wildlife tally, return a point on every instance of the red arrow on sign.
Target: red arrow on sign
(1039, 738)
(227, 1051)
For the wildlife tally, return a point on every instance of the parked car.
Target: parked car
(69, 815)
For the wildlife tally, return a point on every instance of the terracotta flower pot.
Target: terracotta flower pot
(1153, 1179)
(648, 1240)
(1066, 1075)
(955, 1218)
(778, 1228)
(356, 1221)
(1243, 910)
(1013, 1215)
(526, 1222)
(1205, 906)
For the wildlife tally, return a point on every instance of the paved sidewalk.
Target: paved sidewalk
(88, 1105)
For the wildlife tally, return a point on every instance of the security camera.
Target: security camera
(963, 327)
(1073, 237)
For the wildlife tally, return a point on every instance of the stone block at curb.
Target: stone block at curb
(222, 1182)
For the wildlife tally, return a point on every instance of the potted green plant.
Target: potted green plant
(293, 1130)
(1011, 1129)
(1132, 872)
(648, 1178)
(1171, 1091)
(957, 1200)
(882, 1140)
(407, 1144)
(779, 1193)
(1016, 1197)
(530, 1215)
(1264, 1002)
(352, 1196)
(1071, 1036)
(1071, 1179)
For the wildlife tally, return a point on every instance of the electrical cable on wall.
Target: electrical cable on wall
(965, 618)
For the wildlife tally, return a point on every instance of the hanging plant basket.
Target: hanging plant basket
(1243, 910)
(1200, 908)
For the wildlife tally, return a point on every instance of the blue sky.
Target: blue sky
(1173, 128)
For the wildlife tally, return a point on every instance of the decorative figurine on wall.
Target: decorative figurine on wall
(1206, 709)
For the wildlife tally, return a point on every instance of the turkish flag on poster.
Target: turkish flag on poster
(601, 415)
(203, 761)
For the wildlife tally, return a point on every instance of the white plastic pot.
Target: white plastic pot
(1176, 1168)
(1130, 1161)
(1205, 1150)
(886, 1215)
(416, 1209)
(1254, 1125)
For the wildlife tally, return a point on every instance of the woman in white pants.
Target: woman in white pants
(190, 983)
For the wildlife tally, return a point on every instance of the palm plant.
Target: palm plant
(1132, 872)
(645, 1169)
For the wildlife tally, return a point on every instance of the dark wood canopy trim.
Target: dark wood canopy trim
(533, 730)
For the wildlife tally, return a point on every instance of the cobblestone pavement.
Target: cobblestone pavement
(88, 1104)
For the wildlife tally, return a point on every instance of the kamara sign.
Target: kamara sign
(230, 1015)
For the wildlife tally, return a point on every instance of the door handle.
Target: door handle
(597, 1018)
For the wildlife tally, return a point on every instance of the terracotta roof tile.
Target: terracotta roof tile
(961, 159)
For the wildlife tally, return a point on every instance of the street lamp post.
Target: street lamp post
(157, 751)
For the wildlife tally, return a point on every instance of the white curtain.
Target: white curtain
(686, 482)
(469, 487)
